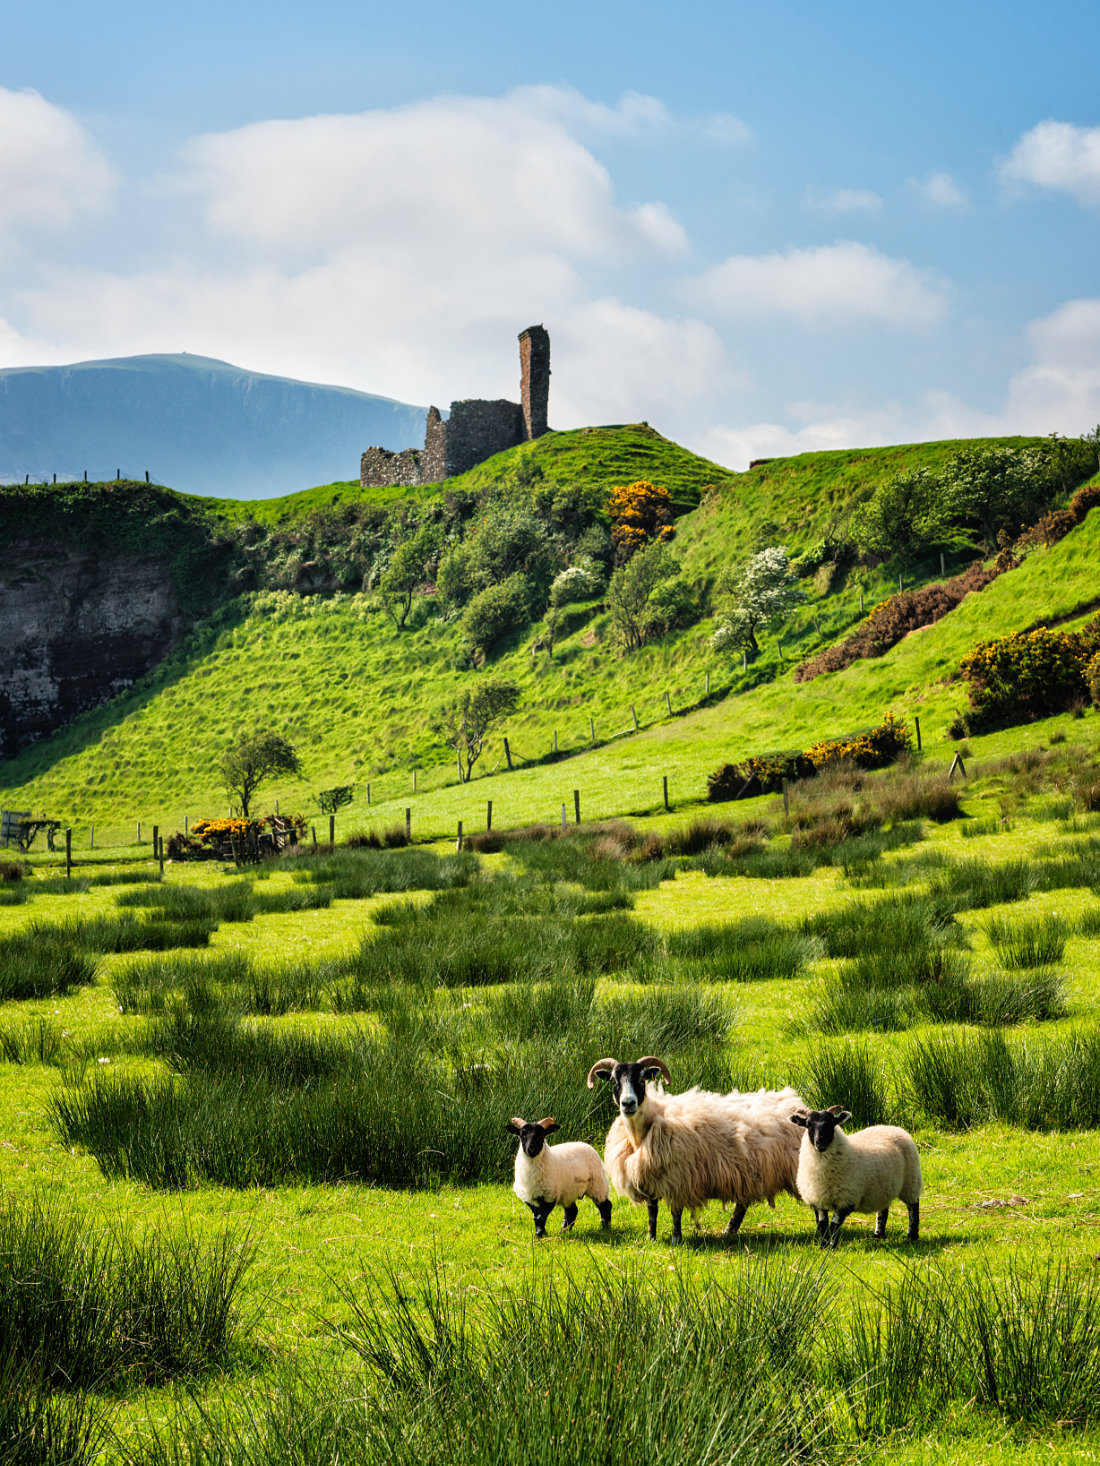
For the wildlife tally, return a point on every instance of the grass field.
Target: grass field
(295, 1130)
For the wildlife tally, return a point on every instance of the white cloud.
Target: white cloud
(1059, 156)
(844, 200)
(443, 177)
(940, 191)
(729, 131)
(50, 171)
(831, 285)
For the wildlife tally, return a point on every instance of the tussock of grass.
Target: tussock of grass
(962, 1080)
(42, 961)
(90, 1309)
(1030, 941)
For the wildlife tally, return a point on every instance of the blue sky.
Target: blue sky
(761, 228)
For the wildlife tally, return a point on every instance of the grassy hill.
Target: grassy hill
(356, 696)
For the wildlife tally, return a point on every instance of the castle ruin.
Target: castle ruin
(475, 429)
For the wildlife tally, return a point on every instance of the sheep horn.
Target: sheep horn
(651, 1060)
(596, 1067)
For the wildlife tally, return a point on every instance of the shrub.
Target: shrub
(1092, 679)
(1030, 674)
(874, 748)
(495, 611)
(896, 617)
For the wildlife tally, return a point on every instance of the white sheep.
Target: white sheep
(548, 1175)
(863, 1172)
(688, 1149)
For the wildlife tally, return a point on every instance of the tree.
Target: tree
(253, 759)
(995, 491)
(760, 593)
(407, 572)
(903, 518)
(640, 512)
(332, 801)
(630, 589)
(465, 722)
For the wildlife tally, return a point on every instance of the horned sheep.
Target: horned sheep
(863, 1172)
(548, 1176)
(691, 1148)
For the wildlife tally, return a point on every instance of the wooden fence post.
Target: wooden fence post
(368, 793)
(313, 832)
(139, 832)
(458, 842)
(68, 854)
(916, 725)
(592, 729)
(577, 804)
(668, 702)
(91, 838)
(956, 763)
(708, 684)
(414, 781)
(160, 853)
(634, 715)
(156, 837)
(408, 825)
(943, 568)
(555, 740)
(488, 815)
(563, 819)
(861, 603)
(744, 660)
(508, 755)
(186, 827)
(664, 782)
(332, 829)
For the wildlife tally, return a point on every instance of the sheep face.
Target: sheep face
(628, 1083)
(532, 1137)
(821, 1125)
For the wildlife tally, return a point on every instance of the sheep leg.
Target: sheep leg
(840, 1216)
(677, 1235)
(540, 1210)
(822, 1225)
(913, 1235)
(880, 1222)
(652, 1206)
(735, 1221)
(605, 1211)
(570, 1217)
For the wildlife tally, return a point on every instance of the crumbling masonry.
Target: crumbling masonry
(474, 430)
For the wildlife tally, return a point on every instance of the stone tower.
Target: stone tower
(534, 379)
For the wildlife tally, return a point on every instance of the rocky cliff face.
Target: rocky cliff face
(76, 628)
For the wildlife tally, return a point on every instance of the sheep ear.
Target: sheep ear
(549, 1124)
(799, 1120)
(515, 1125)
(843, 1116)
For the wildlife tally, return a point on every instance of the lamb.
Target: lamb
(686, 1149)
(547, 1175)
(863, 1172)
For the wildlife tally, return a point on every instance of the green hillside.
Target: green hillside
(355, 695)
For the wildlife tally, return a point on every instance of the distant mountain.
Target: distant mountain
(196, 424)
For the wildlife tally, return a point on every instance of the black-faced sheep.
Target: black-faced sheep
(863, 1172)
(688, 1149)
(548, 1175)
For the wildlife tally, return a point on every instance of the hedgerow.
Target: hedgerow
(873, 748)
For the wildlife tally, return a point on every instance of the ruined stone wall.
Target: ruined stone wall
(379, 468)
(76, 629)
(477, 429)
(534, 383)
(433, 460)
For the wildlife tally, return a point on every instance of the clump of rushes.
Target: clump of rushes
(1029, 941)
(89, 1308)
(41, 961)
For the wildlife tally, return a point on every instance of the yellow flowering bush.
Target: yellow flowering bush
(1030, 674)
